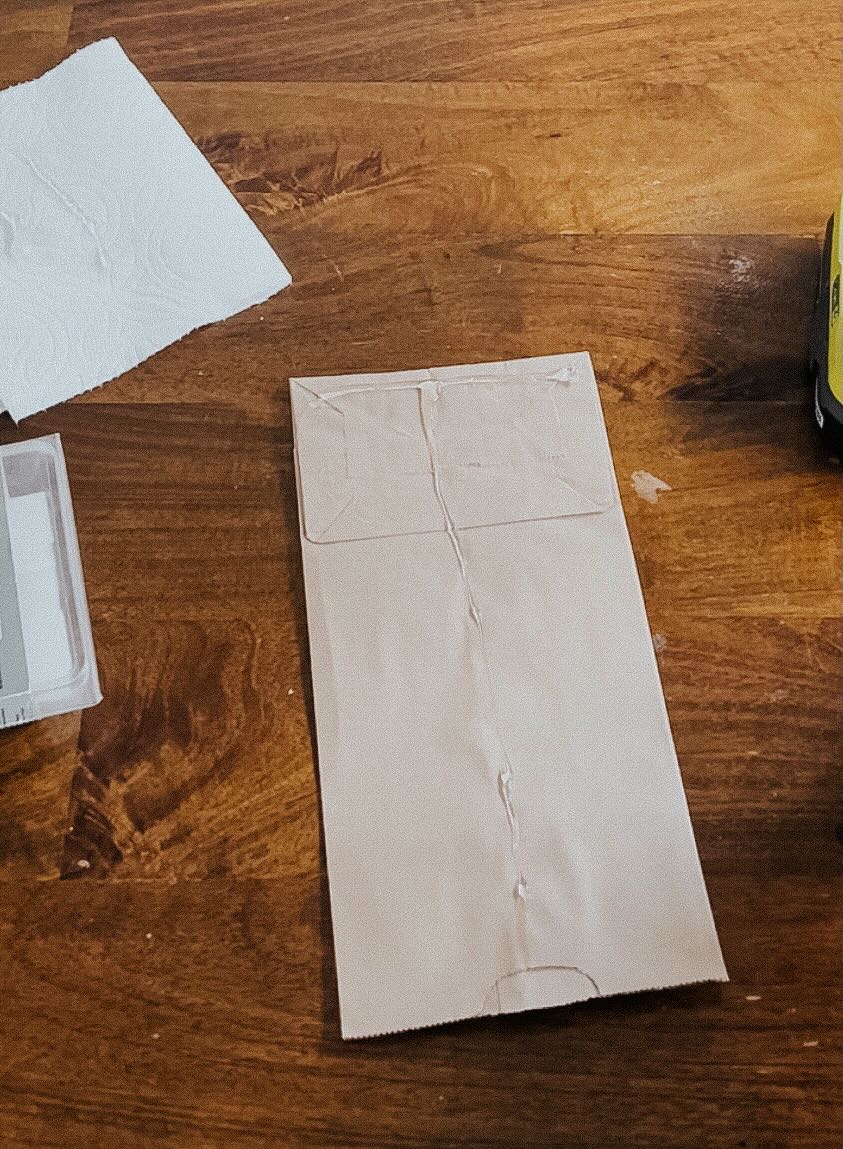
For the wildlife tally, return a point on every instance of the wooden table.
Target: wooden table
(448, 181)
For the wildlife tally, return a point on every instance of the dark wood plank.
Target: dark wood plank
(690, 318)
(37, 766)
(328, 40)
(208, 773)
(206, 1014)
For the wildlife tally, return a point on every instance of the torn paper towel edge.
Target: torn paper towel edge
(20, 413)
(271, 286)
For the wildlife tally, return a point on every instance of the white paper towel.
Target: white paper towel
(116, 235)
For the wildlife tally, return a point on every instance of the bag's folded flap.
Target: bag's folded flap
(403, 453)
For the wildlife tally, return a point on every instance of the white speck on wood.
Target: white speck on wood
(741, 268)
(647, 486)
(83, 864)
(753, 997)
(659, 643)
(809, 1044)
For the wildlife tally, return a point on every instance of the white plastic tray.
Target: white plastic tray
(47, 660)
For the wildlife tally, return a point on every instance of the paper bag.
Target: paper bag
(505, 822)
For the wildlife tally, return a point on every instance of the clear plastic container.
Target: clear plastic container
(47, 660)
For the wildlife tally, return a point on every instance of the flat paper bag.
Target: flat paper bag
(504, 817)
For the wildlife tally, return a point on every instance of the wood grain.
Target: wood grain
(448, 182)
(689, 318)
(33, 38)
(159, 783)
(498, 159)
(329, 40)
(221, 1002)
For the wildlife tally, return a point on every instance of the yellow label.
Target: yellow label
(835, 328)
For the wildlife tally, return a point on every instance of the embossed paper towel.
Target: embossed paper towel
(504, 817)
(116, 235)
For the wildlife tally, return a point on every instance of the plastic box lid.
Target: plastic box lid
(47, 660)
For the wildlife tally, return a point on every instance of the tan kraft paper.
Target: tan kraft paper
(505, 822)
